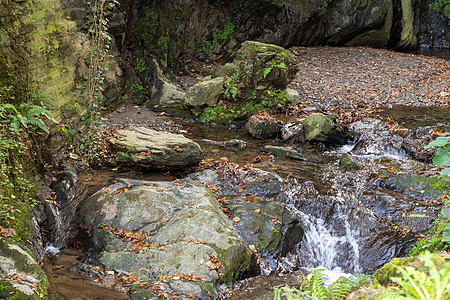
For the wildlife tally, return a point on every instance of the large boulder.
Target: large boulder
(171, 230)
(150, 148)
(266, 65)
(321, 128)
(205, 93)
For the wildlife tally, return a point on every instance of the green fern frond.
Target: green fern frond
(38, 123)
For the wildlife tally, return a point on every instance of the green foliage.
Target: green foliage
(446, 233)
(137, 88)
(88, 135)
(231, 86)
(312, 287)
(24, 117)
(163, 43)
(434, 240)
(430, 283)
(273, 65)
(141, 66)
(442, 6)
(225, 111)
(219, 37)
(442, 157)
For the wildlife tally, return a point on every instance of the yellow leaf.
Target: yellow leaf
(236, 219)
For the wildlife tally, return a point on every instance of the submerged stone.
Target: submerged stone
(347, 162)
(283, 152)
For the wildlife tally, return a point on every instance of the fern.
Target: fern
(431, 284)
(25, 115)
(312, 287)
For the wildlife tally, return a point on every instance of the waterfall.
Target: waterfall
(321, 248)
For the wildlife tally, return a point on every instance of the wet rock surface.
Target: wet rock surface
(322, 128)
(283, 152)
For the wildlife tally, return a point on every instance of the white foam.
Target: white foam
(52, 250)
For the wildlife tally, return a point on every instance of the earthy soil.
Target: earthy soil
(350, 82)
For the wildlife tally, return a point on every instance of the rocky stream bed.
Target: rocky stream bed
(257, 212)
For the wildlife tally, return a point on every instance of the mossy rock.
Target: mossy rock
(266, 65)
(384, 274)
(17, 262)
(321, 128)
(283, 152)
(226, 70)
(267, 225)
(347, 162)
(182, 216)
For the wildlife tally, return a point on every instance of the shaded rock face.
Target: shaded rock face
(182, 231)
(433, 28)
(150, 148)
(286, 23)
(269, 226)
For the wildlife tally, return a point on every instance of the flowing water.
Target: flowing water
(347, 216)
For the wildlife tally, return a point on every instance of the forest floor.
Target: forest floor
(349, 83)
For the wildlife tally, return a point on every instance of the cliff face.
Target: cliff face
(183, 27)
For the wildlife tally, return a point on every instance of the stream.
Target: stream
(345, 215)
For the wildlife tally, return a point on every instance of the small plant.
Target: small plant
(429, 284)
(141, 66)
(231, 86)
(273, 65)
(442, 157)
(219, 36)
(312, 287)
(163, 43)
(137, 88)
(442, 6)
